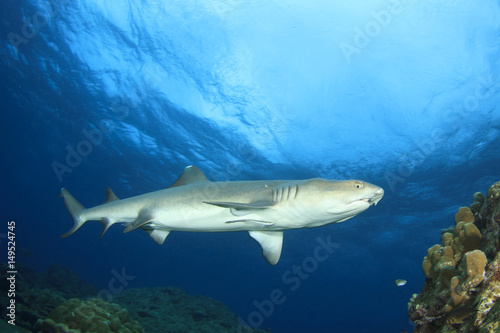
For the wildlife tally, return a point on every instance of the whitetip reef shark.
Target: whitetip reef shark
(264, 208)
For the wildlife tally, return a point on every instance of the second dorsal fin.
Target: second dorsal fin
(191, 174)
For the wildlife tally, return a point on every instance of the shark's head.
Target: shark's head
(357, 194)
(336, 201)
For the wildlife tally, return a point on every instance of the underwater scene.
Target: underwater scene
(250, 166)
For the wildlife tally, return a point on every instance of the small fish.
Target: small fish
(400, 282)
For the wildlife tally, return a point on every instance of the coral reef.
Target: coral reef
(94, 315)
(37, 294)
(464, 214)
(55, 301)
(463, 273)
(455, 241)
(171, 310)
(478, 200)
(8, 328)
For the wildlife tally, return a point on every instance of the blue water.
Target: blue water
(125, 94)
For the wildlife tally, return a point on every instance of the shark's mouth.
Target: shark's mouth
(371, 201)
(357, 204)
(376, 197)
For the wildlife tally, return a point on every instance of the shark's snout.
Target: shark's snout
(376, 197)
(367, 200)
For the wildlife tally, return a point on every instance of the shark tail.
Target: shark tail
(75, 209)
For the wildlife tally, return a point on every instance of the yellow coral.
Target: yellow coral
(457, 295)
(467, 238)
(447, 238)
(446, 273)
(455, 242)
(432, 261)
(472, 269)
(459, 227)
(446, 259)
(426, 267)
(472, 237)
(464, 214)
(440, 262)
(475, 262)
(433, 249)
(468, 287)
(471, 230)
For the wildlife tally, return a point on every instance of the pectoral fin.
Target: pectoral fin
(242, 209)
(143, 218)
(240, 205)
(271, 242)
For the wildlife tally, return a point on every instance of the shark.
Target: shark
(263, 208)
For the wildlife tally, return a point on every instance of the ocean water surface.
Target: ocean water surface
(401, 94)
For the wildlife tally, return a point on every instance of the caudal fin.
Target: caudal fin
(74, 209)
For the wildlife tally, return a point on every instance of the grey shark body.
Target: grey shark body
(263, 208)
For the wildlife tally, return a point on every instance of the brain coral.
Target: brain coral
(94, 315)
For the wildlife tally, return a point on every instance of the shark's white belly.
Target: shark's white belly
(216, 219)
(202, 217)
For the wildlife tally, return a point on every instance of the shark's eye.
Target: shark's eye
(359, 184)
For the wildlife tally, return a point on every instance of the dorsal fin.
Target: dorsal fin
(191, 174)
(110, 196)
